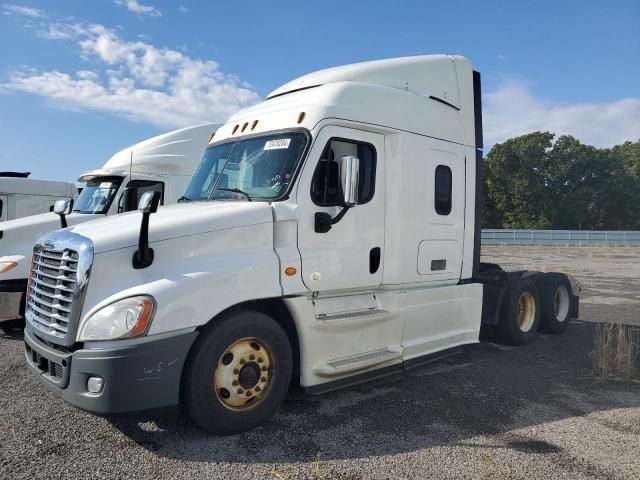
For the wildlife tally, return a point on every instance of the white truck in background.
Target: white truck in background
(21, 196)
(163, 163)
(330, 235)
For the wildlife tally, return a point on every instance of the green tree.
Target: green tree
(515, 182)
(533, 182)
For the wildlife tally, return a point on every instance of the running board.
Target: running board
(353, 363)
(329, 317)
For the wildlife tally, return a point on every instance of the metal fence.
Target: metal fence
(560, 237)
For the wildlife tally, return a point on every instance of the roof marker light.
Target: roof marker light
(235, 129)
(254, 124)
(244, 127)
(301, 117)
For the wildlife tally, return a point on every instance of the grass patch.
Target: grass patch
(615, 352)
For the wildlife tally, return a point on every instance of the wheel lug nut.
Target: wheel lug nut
(257, 389)
(260, 360)
(236, 371)
(264, 369)
(252, 357)
(234, 383)
(263, 379)
(240, 391)
(248, 393)
(242, 361)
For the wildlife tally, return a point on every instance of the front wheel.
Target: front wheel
(238, 373)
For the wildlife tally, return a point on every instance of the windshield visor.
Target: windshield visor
(261, 167)
(97, 195)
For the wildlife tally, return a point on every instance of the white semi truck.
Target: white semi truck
(164, 163)
(331, 234)
(21, 196)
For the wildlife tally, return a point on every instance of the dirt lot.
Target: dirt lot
(493, 412)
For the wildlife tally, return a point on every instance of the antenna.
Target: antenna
(130, 165)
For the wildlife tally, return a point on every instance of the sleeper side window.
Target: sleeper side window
(443, 190)
(326, 190)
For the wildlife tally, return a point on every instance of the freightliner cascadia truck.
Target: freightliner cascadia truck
(164, 163)
(330, 235)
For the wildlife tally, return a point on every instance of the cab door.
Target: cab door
(349, 255)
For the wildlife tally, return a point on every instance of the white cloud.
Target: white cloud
(513, 110)
(20, 10)
(183, 9)
(135, 7)
(136, 80)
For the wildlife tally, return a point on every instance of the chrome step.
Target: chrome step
(359, 361)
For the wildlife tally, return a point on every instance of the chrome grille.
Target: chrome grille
(50, 290)
(58, 278)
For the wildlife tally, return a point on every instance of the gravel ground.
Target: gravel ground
(491, 412)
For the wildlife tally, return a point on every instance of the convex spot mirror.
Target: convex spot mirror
(349, 171)
(149, 202)
(63, 207)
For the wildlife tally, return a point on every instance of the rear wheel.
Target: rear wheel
(238, 373)
(519, 312)
(555, 302)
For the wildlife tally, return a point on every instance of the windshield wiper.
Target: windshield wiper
(234, 190)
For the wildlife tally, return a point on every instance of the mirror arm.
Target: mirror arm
(324, 222)
(63, 220)
(143, 257)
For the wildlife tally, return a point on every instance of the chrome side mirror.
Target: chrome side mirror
(149, 202)
(62, 208)
(349, 172)
(143, 257)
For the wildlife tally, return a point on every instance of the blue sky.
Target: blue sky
(81, 80)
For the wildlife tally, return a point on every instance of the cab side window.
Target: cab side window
(443, 190)
(134, 190)
(326, 190)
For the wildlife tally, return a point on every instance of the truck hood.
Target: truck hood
(178, 220)
(19, 235)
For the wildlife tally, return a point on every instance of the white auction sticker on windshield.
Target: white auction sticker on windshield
(275, 144)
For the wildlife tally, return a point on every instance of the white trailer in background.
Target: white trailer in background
(163, 163)
(332, 236)
(21, 196)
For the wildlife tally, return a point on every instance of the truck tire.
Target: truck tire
(555, 302)
(238, 373)
(519, 312)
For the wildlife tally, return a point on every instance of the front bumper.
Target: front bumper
(138, 377)
(12, 295)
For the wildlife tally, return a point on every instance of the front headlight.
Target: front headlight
(126, 318)
(6, 266)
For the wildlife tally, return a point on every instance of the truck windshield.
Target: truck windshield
(97, 195)
(256, 168)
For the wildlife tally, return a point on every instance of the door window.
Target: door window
(131, 197)
(326, 190)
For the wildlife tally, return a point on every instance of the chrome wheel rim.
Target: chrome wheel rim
(244, 374)
(526, 311)
(561, 303)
